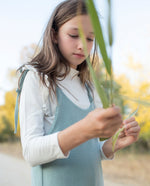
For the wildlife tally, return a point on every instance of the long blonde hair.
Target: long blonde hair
(49, 60)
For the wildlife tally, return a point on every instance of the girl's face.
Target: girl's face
(70, 43)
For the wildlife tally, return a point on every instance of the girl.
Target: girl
(60, 119)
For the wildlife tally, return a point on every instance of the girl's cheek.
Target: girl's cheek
(90, 48)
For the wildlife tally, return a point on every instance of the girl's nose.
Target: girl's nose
(80, 44)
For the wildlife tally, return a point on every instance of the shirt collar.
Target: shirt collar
(73, 72)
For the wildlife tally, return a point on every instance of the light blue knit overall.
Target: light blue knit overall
(83, 167)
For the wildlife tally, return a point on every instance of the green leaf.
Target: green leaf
(109, 24)
(98, 87)
(133, 113)
(96, 82)
(115, 137)
(139, 101)
(99, 34)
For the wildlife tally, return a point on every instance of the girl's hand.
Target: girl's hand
(98, 123)
(103, 122)
(129, 135)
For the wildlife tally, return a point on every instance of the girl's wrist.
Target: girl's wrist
(107, 149)
(86, 132)
(73, 136)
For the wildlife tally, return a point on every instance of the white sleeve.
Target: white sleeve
(37, 148)
(103, 157)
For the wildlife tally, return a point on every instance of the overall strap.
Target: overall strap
(18, 95)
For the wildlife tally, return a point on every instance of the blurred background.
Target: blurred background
(22, 26)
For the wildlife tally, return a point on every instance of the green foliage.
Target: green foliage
(96, 81)
(132, 99)
(108, 86)
(7, 117)
(99, 34)
(7, 133)
(117, 100)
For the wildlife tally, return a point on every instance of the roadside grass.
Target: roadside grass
(129, 168)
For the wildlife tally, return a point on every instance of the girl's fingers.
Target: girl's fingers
(111, 112)
(114, 121)
(131, 125)
(129, 120)
(134, 135)
(133, 130)
(122, 134)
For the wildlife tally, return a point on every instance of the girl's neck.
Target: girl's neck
(73, 72)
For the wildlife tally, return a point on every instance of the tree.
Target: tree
(7, 117)
(141, 92)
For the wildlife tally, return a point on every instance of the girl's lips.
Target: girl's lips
(79, 55)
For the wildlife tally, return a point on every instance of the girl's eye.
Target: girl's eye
(73, 36)
(89, 39)
(76, 36)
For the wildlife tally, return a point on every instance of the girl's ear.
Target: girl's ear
(54, 36)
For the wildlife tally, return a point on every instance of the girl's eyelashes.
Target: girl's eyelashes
(76, 36)
(73, 36)
(89, 39)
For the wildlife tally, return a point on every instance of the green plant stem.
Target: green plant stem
(96, 82)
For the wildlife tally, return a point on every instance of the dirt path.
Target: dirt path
(125, 170)
(14, 171)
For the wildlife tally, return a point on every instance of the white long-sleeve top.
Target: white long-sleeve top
(37, 112)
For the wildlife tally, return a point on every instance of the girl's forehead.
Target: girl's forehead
(74, 23)
(79, 18)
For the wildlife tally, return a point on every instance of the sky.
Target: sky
(22, 23)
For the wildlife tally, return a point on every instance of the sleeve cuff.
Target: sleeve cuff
(103, 157)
